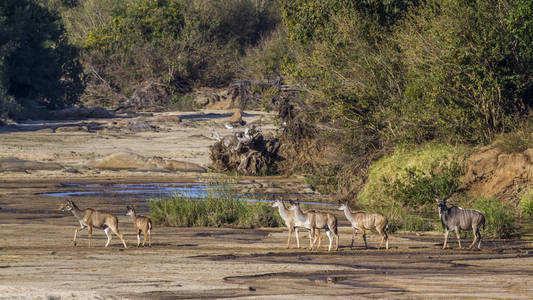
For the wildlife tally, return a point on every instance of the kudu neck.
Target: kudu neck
(78, 213)
(283, 211)
(348, 213)
(299, 214)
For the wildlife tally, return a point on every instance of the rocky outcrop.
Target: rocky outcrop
(134, 161)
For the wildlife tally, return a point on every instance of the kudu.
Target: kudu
(90, 218)
(362, 221)
(289, 219)
(140, 223)
(455, 218)
(314, 221)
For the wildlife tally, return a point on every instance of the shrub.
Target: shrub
(267, 60)
(36, 59)
(222, 207)
(500, 219)
(406, 177)
(181, 44)
(517, 141)
(526, 203)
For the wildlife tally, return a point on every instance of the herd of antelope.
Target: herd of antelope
(452, 218)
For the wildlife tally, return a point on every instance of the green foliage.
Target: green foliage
(416, 190)
(526, 203)
(517, 141)
(221, 208)
(463, 67)
(267, 60)
(401, 185)
(311, 19)
(445, 70)
(36, 60)
(181, 44)
(500, 219)
(428, 159)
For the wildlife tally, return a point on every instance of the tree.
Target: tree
(38, 62)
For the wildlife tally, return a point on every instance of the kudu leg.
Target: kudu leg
(108, 236)
(115, 230)
(297, 234)
(364, 239)
(89, 234)
(145, 234)
(458, 235)
(149, 237)
(353, 237)
(330, 237)
(138, 238)
(76, 233)
(476, 237)
(445, 238)
(289, 237)
(311, 236)
(319, 239)
(384, 238)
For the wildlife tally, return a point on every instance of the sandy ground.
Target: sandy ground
(38, 260)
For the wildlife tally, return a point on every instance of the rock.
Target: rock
(150, 93)
(167, 119)
(81, 113)
(18, 165)
(70, 129)
(135, 125)
(45, 130)
(236, 118)
(134, 161)
(201, 101)
(274, 190)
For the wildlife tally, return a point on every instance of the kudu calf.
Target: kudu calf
(314, 221)
(140, 223)
(362, 221)
(455, 218)
(90, 218)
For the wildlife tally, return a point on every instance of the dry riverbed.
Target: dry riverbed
(38, 260)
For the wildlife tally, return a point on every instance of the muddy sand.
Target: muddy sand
(39, 261)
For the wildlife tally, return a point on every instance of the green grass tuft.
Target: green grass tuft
(500, 219)
(222, 207)
(526, 203)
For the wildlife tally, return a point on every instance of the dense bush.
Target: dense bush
(180, 44)
(36, 60)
